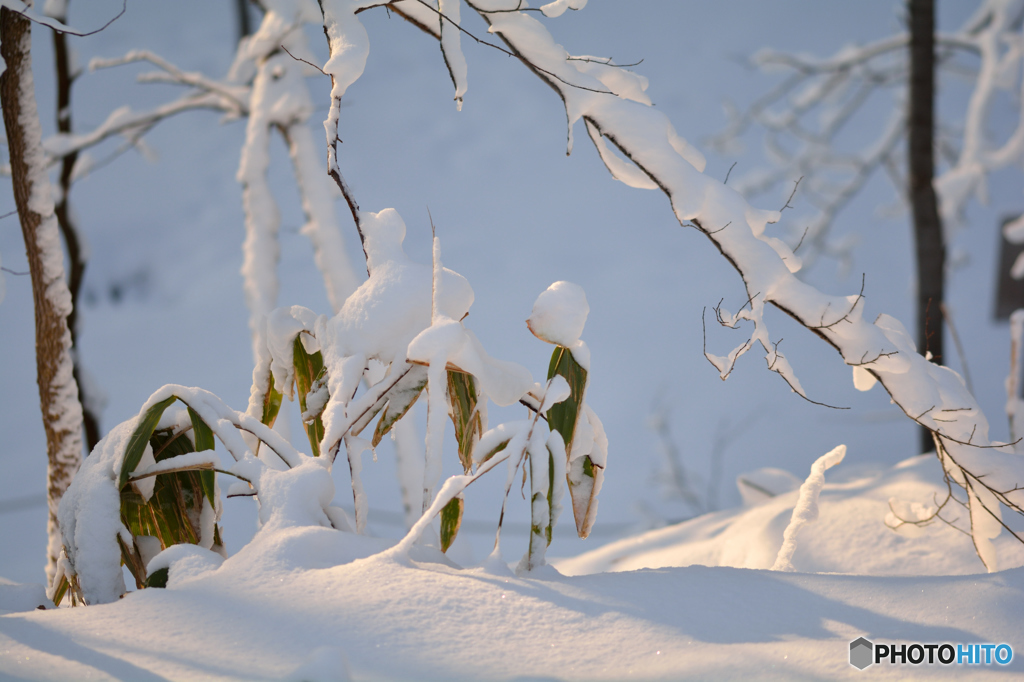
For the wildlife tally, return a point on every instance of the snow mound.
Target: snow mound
(850, 534)
(18, 597)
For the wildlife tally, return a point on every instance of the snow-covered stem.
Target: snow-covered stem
(450, 489)
(58, 391)
(349, 47)
(806, 509)
(261, 249)
(437, 390)
(321, 222)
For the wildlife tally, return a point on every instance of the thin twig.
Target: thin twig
(508, 52)
(792, 194)
(304, 61)
(729, 172)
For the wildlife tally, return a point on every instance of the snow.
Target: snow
(726, 623)
(850, 535)
(304, 601)
(559, 314)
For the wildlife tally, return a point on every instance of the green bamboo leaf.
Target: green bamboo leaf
(158, 578)
(462, 398)
(582, 477)
(451, 520)
(549, 530)
(62, 589)
(497, 448)
(201, 433)
(172, 512)
(271, 403)
(140, 437)
(308, 368)
(563, 416)
(401, 398)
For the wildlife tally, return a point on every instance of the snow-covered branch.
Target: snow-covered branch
(931, 395)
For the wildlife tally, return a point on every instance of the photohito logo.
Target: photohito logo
(863, 653)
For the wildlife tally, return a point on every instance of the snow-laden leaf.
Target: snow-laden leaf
(451, 520)
(202, 435)
(563, 416)
(308, 369)
(400, 400)
(465, 414)
(140, 438)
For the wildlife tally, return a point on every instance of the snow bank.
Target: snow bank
(849, 535)
(260, 617)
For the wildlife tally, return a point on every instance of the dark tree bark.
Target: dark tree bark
(58, 391)
(928, 240)
(76, 255)
(244, 24)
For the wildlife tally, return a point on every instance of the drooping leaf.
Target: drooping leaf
(401, 398)
(271, 403)
(140, 438)
(62, 589)
(584, 481)
(308, 368)
(497, 448)
(549, 530)
(201, 433)
(564, 416)
(465, 416)
(131, 559)
(203, 436)
(172, 513)
(451, 520)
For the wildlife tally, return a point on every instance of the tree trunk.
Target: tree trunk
(76, 254)
(928, 239)
(58, 391)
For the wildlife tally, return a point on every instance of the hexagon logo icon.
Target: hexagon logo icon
(861, 653)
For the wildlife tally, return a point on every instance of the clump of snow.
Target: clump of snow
(184, 562)
(559, 314)
(558, 7)
(90, 520)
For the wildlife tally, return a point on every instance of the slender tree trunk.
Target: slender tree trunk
(242, 12)
(76, 254)
(58, 392)
(928, 239)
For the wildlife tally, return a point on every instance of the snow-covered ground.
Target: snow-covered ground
(693, 601)
(164, 304)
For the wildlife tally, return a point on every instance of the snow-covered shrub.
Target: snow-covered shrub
(150, 484)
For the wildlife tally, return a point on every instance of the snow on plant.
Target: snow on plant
(150, 484)
(401, 333)
(615, 109)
